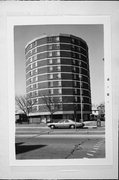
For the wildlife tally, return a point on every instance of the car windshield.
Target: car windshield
(62, 121)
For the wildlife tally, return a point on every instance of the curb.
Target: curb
(90, 127)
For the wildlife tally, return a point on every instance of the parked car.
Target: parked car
(65, 123)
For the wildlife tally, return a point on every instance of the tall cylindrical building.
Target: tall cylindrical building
(57, 67)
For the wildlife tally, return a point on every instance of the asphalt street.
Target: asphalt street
(44, 143)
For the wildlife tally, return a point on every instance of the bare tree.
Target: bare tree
(53, 104)
(25, 104)
(101, 109)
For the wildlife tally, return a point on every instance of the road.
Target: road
(43, 143)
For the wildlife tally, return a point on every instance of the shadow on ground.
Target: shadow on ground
(20, 148)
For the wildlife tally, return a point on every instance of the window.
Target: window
(80, 76)
(75, 91)
(36, 93)
(74, 62)
(49, 39)
(73, 40)
(30, 94)
(35, 57)
(73, 54)
(58, 53)
(31, 66)
(81, 92)
(81, 84)
(50, 54)
(37, 108)
(59, 75)
(51, 76)
(60, 99)
(51, 68)
(36, 64)
(35, 43)
(31, 79)
(31, 73)
(51, 91)
(79, 55)
(73, 47)
(57, 38)
(81, 99)
(58, 60)
(75, 83)
(76, 98)
(31, 87)
(59, 83)
(74, 69)
(30, 53)
(80, 70)
(30, 46)
(51, 83)
(50, 47)
(59, 68)
(79, 63)
(74, 76)
(60, 91)
(36, 70)
(36, 85)
(30, 59)
(36, 78)
(57, 46)
(50, 61)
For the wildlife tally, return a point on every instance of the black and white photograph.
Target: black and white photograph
(59, 91)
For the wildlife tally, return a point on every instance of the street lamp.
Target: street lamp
(81, 98)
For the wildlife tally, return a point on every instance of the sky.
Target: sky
(92, 34)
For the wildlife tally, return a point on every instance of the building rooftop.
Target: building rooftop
(51, 35)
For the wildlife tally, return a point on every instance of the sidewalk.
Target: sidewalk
(93, 125)
(89, 128)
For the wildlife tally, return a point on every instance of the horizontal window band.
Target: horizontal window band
(60, 88)
(57, 50)
(58, 73)
(47, 113)
(57, 87)
(37, 96)
(71, 103)
(56, 65)
(56, 56)
(55, 43)
(62, 96)
(62, 80)
(47, 59)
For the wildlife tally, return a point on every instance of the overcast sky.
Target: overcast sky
(92, 34)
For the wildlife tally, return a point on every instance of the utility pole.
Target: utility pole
(75, 113)
(81, 98)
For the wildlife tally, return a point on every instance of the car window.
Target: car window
(66, 121)
(62, 121)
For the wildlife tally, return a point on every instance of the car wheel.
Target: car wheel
(52, 126)
(72, 126)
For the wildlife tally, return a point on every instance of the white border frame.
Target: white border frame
(47, 20)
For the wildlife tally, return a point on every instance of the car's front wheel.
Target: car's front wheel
(52, 126)
(72, 126)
